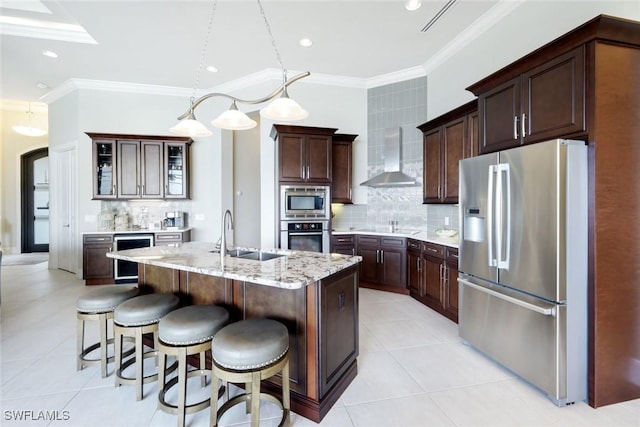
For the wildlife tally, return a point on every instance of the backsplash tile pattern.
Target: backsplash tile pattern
(404, 105)
(141, 213)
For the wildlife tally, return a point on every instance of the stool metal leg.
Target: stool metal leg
(213, 413)
(80, 343)
(117, 339)
(182, 385)
(139, 362)
(255, 399)
(286, 403)
(102, 319)
(203, 378)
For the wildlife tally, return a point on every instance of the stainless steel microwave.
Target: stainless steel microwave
(298, 201)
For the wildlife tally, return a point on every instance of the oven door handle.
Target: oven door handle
(307, 233)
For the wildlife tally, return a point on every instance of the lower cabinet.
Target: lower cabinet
(344, 244)
(97, 269)
(432, 276)
(384, 263)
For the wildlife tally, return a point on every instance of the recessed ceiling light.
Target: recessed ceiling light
(212, 69)
(412, 5)
(41, 85)
(50, 53)
(306, 42)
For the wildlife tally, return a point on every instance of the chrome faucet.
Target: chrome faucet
(227, 219)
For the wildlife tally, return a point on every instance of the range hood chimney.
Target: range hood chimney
(392, 175)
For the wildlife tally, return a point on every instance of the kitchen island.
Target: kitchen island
(315, 295)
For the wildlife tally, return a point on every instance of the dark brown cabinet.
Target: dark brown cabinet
(304, 154)
(341, 168)
(133, 167)
(97, 269)
(343, 244)
(542, 103)
(172, 238)
(446, 140)
(432, 276)
(384, 262)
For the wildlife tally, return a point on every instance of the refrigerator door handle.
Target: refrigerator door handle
(547, 311)
(490, 193)
(505, 197)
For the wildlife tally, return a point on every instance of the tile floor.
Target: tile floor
(413, 371)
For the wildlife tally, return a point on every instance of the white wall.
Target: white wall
(86, 110)
(528, 27)
(12, 147)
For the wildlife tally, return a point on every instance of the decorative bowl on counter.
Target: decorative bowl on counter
(446, 232)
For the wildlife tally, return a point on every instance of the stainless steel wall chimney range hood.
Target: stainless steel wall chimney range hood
(392, 175)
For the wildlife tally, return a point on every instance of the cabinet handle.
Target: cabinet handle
(308, 173)
(432, 250)
(381, 256)
(377, 256)
(522, 125)
(515, 127)
(166, 189)
(418, 266)
(143, 189)
(137, 189)
(353, 251)
(341, 301)
(114, 189)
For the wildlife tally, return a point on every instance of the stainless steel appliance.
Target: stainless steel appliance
(305, 236)
(523, 263)
(127, 271)
(299, 202)
(175, 220)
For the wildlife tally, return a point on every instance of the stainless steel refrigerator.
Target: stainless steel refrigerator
(523, 263)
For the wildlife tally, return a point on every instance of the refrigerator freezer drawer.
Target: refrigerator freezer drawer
(526, 336)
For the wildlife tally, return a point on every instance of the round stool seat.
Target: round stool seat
(145, 309)
(192, 325)
(105, 299)
(250, 344)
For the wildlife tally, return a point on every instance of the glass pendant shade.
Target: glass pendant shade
(29, 131)
(190, 127)
(284, 109)
(232, 119)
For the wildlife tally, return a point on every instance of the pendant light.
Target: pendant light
(281, 109)
(29, 129)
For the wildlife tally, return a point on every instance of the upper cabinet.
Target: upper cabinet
(342, 166)
(541, 103)
(133, 167)
(446, 140)
(304, 154)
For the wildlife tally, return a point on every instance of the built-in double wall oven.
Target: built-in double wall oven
(305, 214)
(127, 271)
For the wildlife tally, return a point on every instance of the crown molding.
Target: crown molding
(396, 76)
(472, 32)
(22, 27)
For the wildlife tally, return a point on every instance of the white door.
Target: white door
(63, 194)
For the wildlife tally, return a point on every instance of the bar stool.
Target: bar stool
(184, 332)
(98, 304)
(134, 318)
(247, 352)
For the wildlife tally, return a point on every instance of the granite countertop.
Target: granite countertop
(294, 270)
(139, 231)
(425, 236)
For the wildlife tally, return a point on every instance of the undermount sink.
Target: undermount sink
(253, 255)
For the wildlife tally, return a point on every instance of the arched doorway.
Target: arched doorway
(35, 200)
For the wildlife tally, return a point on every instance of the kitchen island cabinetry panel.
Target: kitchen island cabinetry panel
(384, 263)
(322, 316)
(304, 154)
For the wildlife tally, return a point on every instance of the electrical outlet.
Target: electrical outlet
(446, 221)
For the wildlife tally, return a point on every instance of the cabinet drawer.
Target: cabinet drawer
(413, 244)
(343, 240)
(168, 237)
(433, 250)
(98, 238)
(451, 254)
(368, 240)
(393, 241)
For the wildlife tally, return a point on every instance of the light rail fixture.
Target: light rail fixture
(282, 108)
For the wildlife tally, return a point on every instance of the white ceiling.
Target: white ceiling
(160, 42)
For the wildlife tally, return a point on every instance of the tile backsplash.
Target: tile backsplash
(141, 213)
(404, 105)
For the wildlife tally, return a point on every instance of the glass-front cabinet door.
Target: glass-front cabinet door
(104, 169)
(176, 170)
